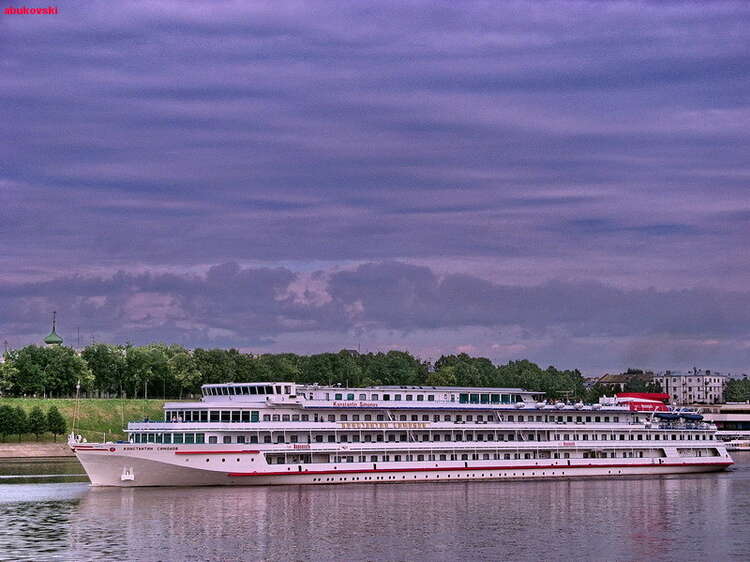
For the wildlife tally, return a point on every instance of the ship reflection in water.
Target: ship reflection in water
(700, 516)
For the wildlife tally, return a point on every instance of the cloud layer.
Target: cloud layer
(520, 174)
(393, 304)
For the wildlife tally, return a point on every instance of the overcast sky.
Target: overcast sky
(566, 182)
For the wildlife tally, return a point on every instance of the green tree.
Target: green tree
(22, 422)
(56, 422)
(7, 421)
(8, 376)
(107, 365)
(183, 371)
(37, 423)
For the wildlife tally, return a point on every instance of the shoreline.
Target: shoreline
(34, 450)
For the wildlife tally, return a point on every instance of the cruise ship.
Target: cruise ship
(286, 433)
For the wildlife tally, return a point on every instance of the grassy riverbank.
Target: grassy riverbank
(97, 416)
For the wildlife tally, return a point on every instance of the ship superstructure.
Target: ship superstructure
(288, 433)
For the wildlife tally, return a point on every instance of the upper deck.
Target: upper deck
(279, 393)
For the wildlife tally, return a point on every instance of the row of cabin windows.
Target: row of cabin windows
(226, 416)
(488, 398)
(229, 416)
(386, 397)
(438, 437)
(176, 438)
(198, 438)
(249, 390)
(471, 456)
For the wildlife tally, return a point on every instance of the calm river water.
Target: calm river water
(48, 512)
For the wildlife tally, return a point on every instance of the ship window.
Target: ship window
(285, 417)
(245, 416)
(430, 397)
(363, 396)
(379, 417)
(484, 398)
(305, 417)
(331, 417)
(227, 439)
(616, 418)
(254, 390)
(386, 396)
(288, 389)
(199, 438)
(463, 398)
(414, 417)
(350, 396)
(447, 417)
(402, 417)
(368, 417)
(397, 397)
(495, 398)
(344, 417)
(420, 397)
(150, 438)
(597, 419)
(374, 397)
(344, 438)
(425, 417)
(337, 396)
(469, 417)
(212, 439)
(275, 417)
(203, 415)
(254, 416)
(267, 390)
(474, 398)
(225, 415)
(190, 438)
(266, 417)
(409, 397)
(606, 419)
(331, 438)
(295, 417)
(236, 415)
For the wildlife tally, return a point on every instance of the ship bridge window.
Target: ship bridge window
(245, 416)
(506, 398)
(484, 398)
(494, 398)
(225, 416)
(190, 438)
(473, 398)
(236, 416)
(463, 398)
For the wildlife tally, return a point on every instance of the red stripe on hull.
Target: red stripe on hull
(244, 452)
(442, 469)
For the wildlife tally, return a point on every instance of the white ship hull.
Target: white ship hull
(248, 468)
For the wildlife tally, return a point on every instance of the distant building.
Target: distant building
(620, 380)
(694, 387)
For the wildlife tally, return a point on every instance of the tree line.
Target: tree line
(15, 421)
(172, 371)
